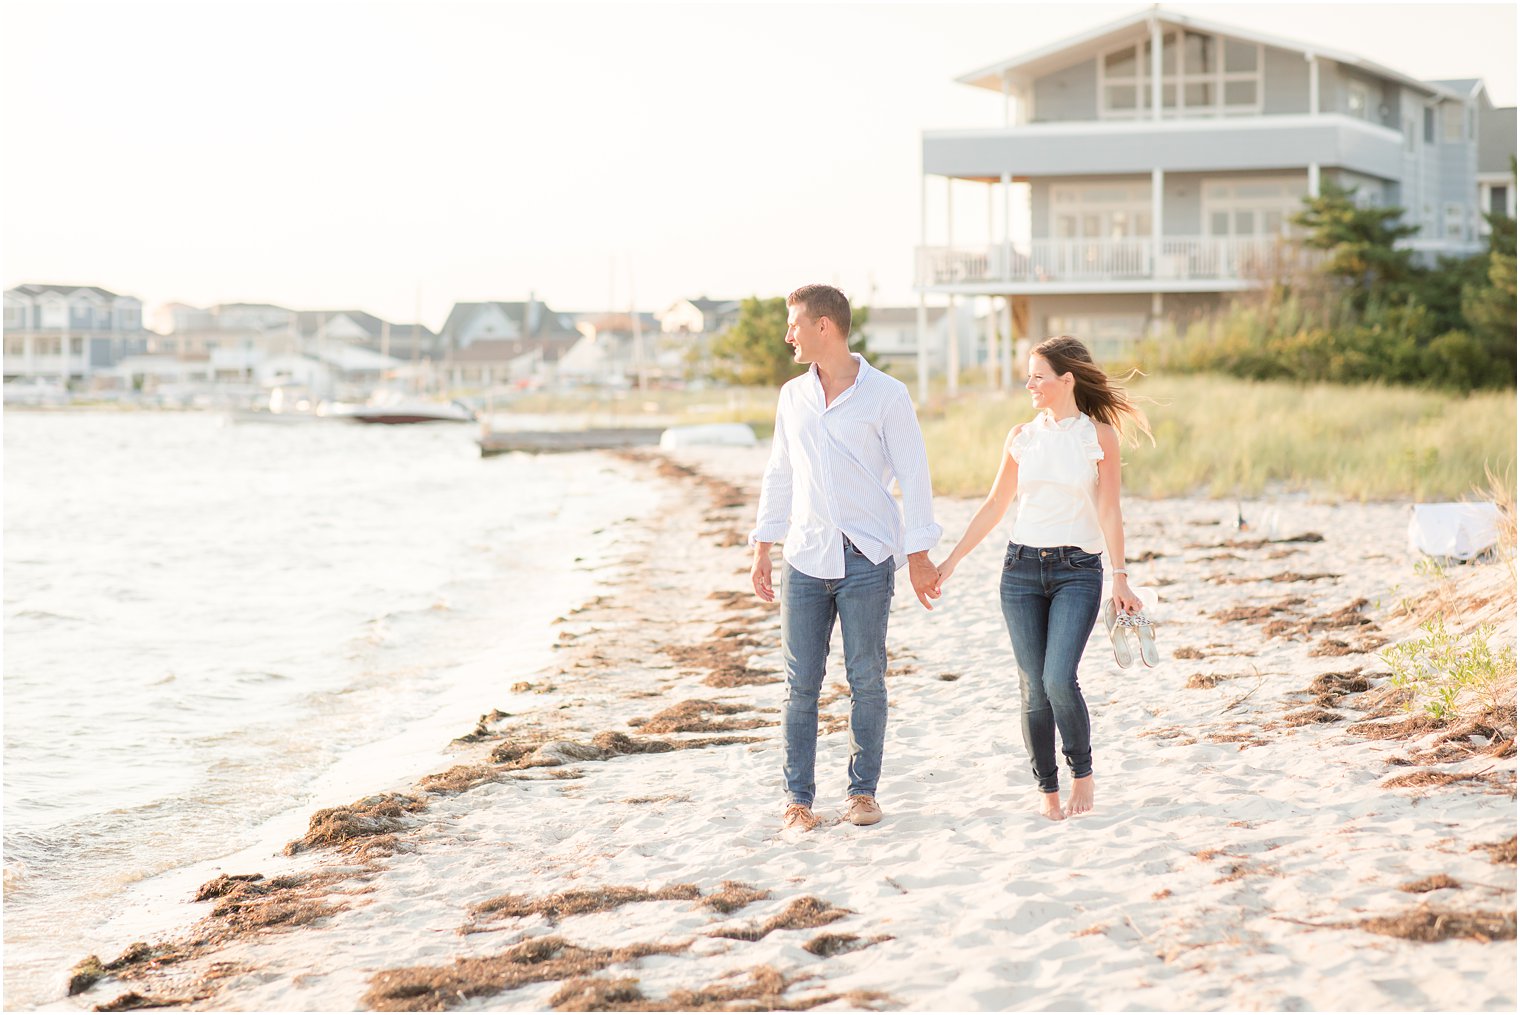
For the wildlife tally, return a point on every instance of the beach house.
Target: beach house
(498, 342)
(69, 332)
(1153, 164)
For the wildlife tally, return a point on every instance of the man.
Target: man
(844, 431)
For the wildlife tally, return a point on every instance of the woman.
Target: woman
(1063, 468)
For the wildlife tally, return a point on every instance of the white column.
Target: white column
(923, 349)
(1155, 314)
(1007, 111)
(990, 363)
(992, 343)
(1314, 179)
(1158, 184)
(1007, 226)
(923, 314)
(1007, 353)
(1155, 68)
(952, 351)
(1313, 83)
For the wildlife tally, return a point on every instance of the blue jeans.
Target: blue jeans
(861, 601)
(1051, 597)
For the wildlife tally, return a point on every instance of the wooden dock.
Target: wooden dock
(543, 442)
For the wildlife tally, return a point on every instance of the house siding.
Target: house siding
(1286, 83)
(1067, 95)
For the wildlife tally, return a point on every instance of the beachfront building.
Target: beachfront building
(495, 342)
(891, 335)
(69, 332)
(615, 349)
(687, 329)
(1154, 162)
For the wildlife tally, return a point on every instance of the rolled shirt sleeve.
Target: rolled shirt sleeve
(774, 515)
(910, 465)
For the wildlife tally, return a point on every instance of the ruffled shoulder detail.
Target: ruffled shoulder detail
(1088, 433)
(1021, 440)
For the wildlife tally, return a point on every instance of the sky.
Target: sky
(396, 156)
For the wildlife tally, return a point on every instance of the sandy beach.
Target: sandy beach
(1272, 831)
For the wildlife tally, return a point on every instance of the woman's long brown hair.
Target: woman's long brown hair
(1097, 396)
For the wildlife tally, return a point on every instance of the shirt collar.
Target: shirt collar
(860, 375)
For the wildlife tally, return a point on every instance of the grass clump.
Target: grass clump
(1438, 668)
(1361, 442)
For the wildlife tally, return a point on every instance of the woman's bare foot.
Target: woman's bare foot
(1081, 799)
(1050, 806)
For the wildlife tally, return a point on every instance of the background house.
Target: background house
(687, 329)
(1158, 159)
(69, 332)
(497, 341)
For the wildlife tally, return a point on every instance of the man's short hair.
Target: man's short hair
(823, 301)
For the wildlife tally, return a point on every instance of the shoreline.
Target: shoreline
(580, 832)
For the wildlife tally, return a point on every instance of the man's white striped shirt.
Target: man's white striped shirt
(831, 470)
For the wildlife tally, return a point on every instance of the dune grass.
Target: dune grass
(1224, 437)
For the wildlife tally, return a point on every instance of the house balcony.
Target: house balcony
(1116, 147)
(1182, 264)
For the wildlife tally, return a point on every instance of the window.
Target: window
(1451, 122)
(1107, 336)
(1259, 207)
(15, 346)
(48, 345)
(1201, 75)
(1455, 226)
(1357, 100)
(1430, 125)
(1498, 200)
(76, 347)
(1428, 220)
(1411, 132)
(1106, 211)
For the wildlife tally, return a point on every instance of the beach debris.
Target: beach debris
(537, 960)
(1430, 925)
(132, 1001)
(1257, 613)
(726, 662)
(1204, 681)
(1429, 778)
(1256, 544)
(86, 972)
(1187, 652)
(826, 945)
(1499, 852)
(800, 914)
(248, 902)
(1433, 883)
(1339, 683)
(89, 970)
(577, 901)
(763, 992)
(1310, 717)
(348, 826)
(733, 896)
(950, 676)
(694, 716)
(459, 778)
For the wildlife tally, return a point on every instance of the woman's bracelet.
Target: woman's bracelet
(1122, 570)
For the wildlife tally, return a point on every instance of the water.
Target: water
(208, 625)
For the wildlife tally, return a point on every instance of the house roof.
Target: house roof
(494, 350)
(549, 322)
(309, 321)
(38, 289)
(1058, 54)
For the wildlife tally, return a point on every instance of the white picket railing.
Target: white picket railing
(1181, 258)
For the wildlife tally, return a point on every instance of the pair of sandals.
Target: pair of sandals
(1133, 636)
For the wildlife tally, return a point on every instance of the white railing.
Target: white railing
(1181, 258)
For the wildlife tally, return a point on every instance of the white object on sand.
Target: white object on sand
(708, 434)
(1453, 531)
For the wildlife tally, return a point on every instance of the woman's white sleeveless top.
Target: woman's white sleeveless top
(1058, 483)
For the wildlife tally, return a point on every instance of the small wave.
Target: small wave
(48, 615)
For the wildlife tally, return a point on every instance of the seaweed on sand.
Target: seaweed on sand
(764, 991)
(695, 716)
(733, 896)
(1431, 925)
(537, 960)
(577, 901)
(348, 827)
(806, 912)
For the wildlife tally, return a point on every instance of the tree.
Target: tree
(1360, 243)
(755, 351)
(1488, 305)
